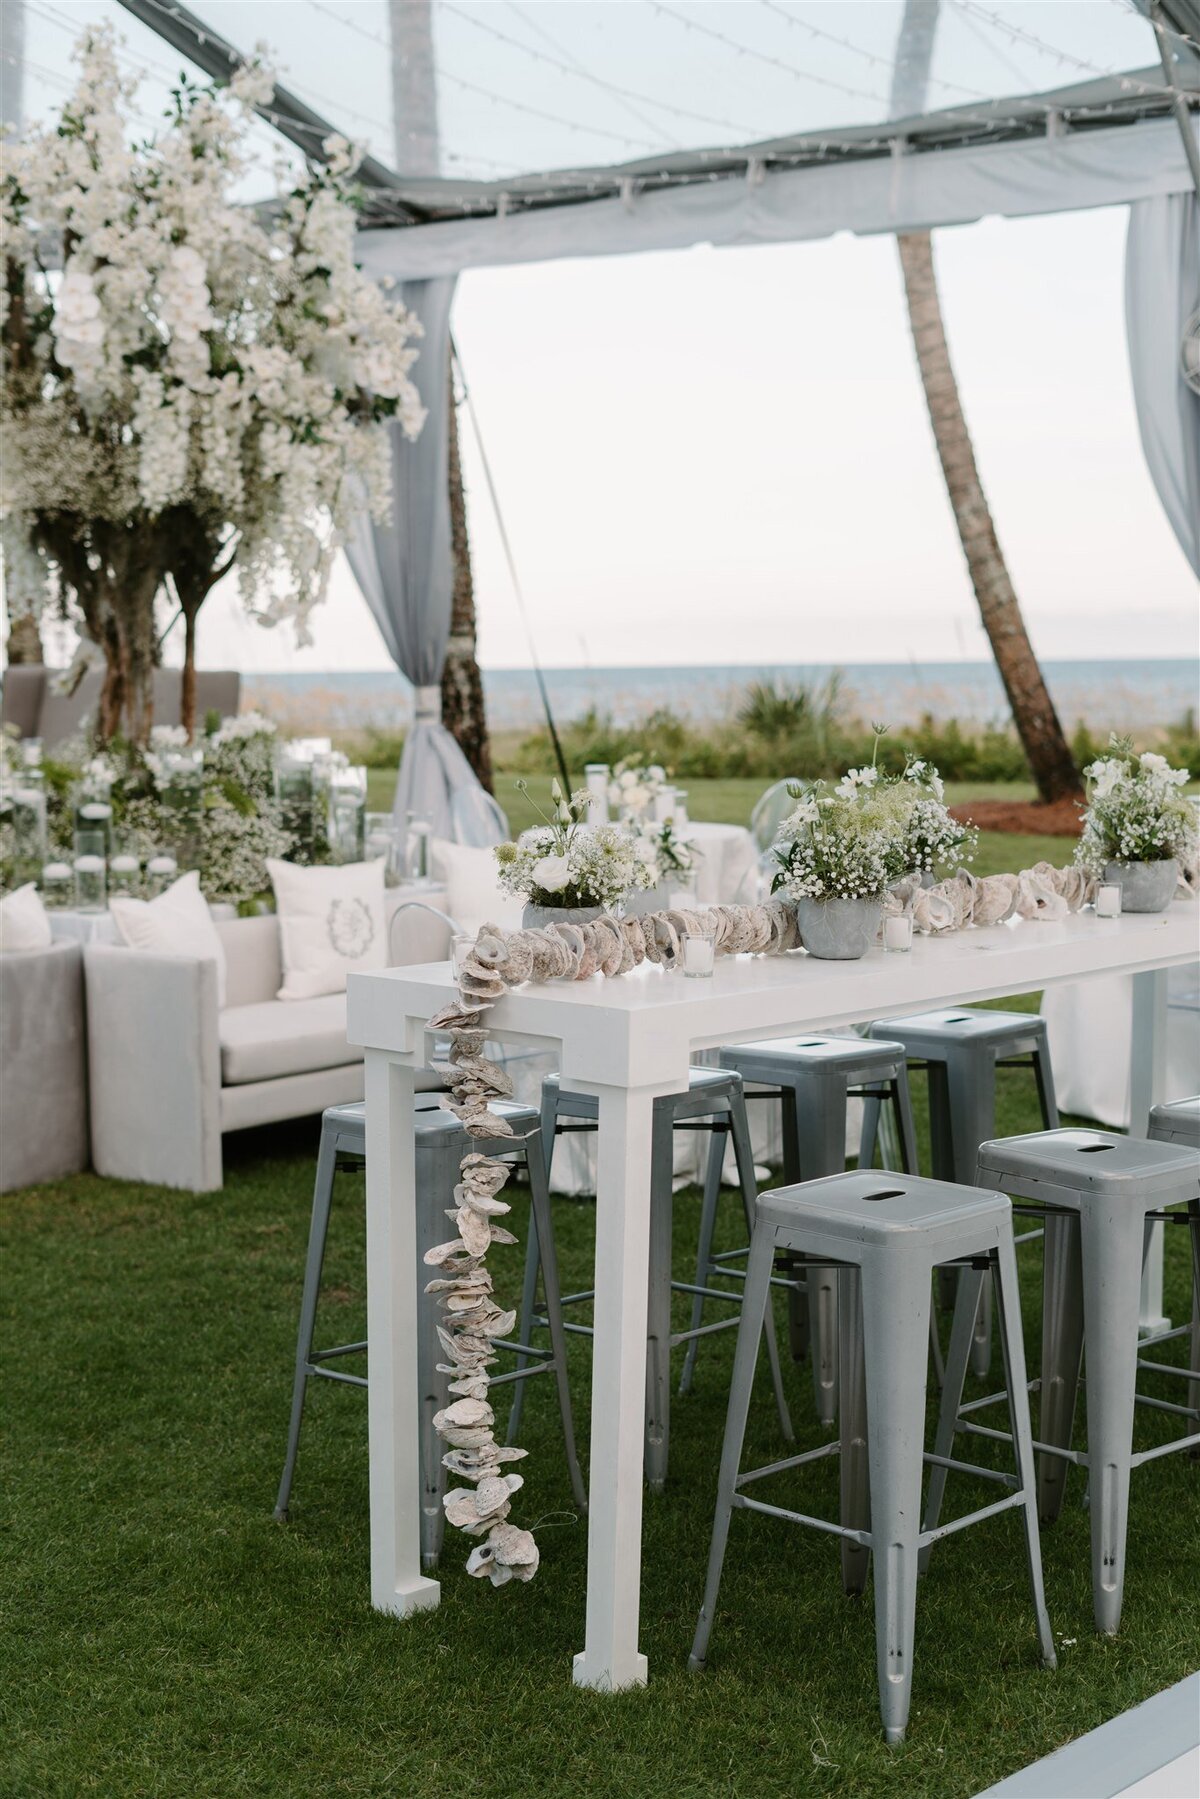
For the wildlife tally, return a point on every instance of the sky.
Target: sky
(723, 456)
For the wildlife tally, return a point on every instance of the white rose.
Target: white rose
(552, 874)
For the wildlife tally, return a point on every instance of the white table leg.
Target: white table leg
(1148, 1063)
(393, 1410)
(610, 1659)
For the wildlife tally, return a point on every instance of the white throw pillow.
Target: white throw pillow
(177, 923)
(474, 895)
(24, 923)
(331, 924)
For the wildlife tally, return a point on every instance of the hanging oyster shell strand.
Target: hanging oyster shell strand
(472, 1322)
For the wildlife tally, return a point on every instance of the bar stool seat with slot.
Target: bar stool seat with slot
(886, 1233)
(441, 1143)
(962, 1047)
(713, 1102)
(1100, 1192)
(813, 1078)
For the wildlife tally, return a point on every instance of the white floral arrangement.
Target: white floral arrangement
(568, 862)
(934, 839)
(1137, 811)
(674, 856)
(206, 383)
(846, 842)
(634, 787)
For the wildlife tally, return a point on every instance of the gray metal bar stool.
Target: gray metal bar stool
(962, 1047)
(886, 1233)
(714, 1102)
(441, 1144)
(1100, 1191)
(812, 1078)
(1178, 1121)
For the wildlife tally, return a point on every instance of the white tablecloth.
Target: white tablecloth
(82, 927)
(725, 863)
(1089, 1028)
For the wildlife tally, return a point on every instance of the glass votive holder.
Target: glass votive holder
(91, 889)
(1108, 900)
(124, 872)
(160, 873)
(417, 847)
(93, 814)
(595, 777)
(679, 809)
(461, 945)
(662, 806)
(699, 953)
(58, 885)
(898, 932)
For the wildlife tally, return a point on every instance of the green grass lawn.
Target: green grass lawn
(166, 1637)
(731, 802)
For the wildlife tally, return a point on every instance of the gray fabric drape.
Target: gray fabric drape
(1162, 291)
(406, 570)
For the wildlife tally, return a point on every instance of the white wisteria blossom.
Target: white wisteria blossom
(204, 384)
(1137, 811)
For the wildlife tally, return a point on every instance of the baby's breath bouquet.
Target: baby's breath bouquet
(934, 839)
(1137, 811)
(568, 862)
(843, 842)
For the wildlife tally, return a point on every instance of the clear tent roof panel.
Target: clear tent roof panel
(524, 86)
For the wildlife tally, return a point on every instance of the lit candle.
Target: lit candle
(699, 952)
(461, 946)
(664, 805)
(898, 932)
(1108, 901)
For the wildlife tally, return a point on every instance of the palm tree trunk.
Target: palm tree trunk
(415, 130)
(1033, 710)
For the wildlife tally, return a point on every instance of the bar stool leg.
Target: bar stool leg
(658, 1318)
(1111, 1244)
(314, 1261)
(541, 1231)
(708, 1225)
(1043, 1074)
(744, 1156)
(754, 1309)
(1012, 1346)
(941, 1162)
(798, 1324)
(1062, 1353)
(906, 1129)
(895, 1327)
(868, 1135)
(853, 1472)
(528, 1308)
(1194, 1386)
(546, 1135)
(966, 1306)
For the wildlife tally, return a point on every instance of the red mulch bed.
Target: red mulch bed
(1062, 818)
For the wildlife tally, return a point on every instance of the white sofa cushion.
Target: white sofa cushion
(177, 923)
(474, 896)
(278, 1037)
(24, 922)
(331, 924)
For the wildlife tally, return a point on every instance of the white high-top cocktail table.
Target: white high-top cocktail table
(628, 1040)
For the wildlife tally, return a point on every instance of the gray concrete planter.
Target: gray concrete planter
(536, 918)
(838, 930)
(1145, 886)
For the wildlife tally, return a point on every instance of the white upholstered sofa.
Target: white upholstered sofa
(172, 1071)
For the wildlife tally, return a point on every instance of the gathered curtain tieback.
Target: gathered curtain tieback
(427, 705)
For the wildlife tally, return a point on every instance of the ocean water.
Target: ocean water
(1117, 695)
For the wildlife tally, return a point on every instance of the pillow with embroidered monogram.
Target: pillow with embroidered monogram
(331, 924)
